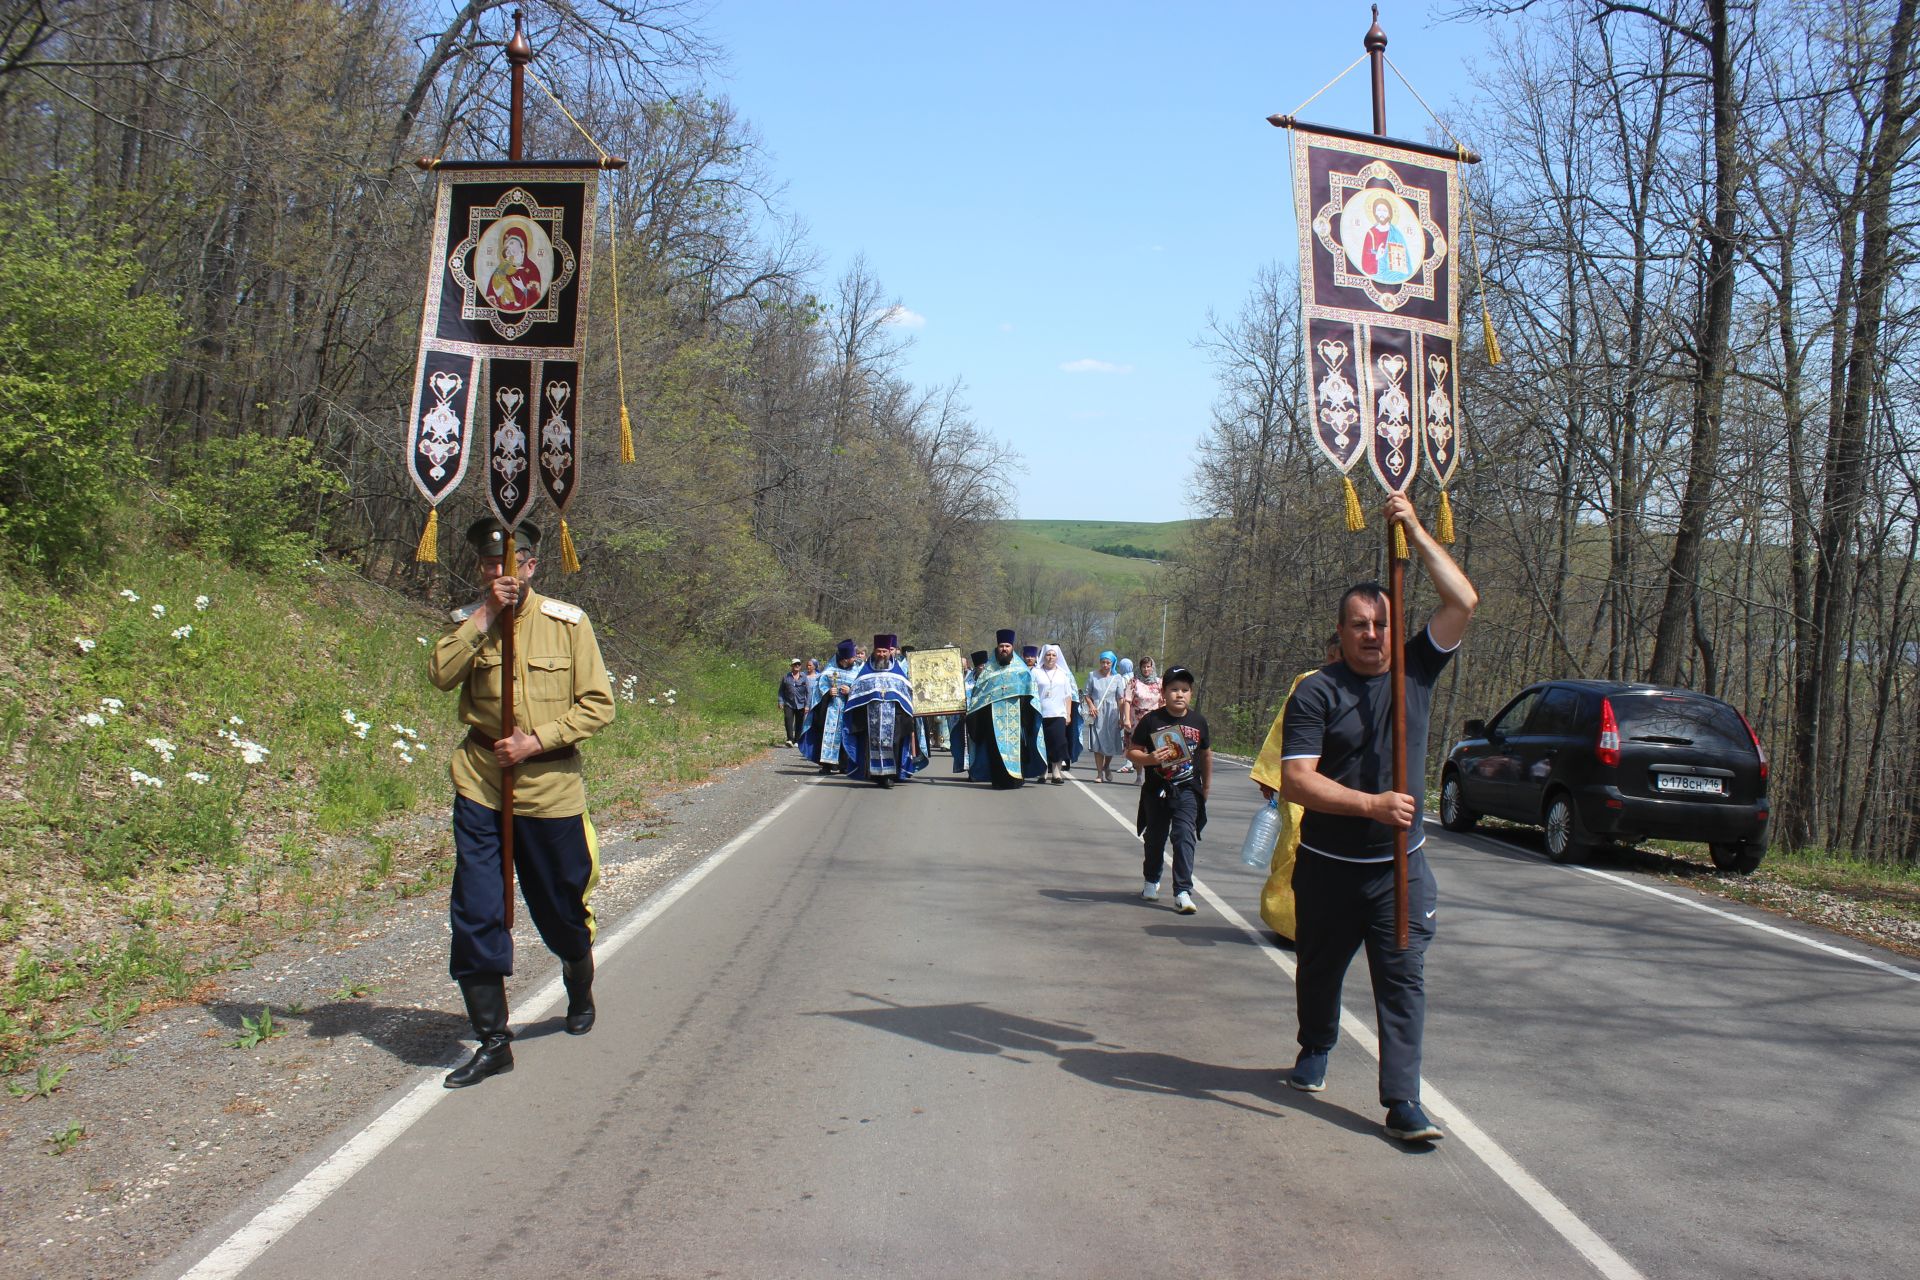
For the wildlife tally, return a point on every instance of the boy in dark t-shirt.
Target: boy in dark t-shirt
(1337, 764)
(1172, 750)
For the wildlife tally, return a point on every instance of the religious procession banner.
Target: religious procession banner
(939, 682)
(503, 337)
(1379, 302)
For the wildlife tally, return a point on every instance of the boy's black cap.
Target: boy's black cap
(1179, 674)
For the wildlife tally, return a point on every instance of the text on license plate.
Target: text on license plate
(1689, 783)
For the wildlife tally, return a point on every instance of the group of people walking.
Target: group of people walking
(1328, 757)
(1073, 717)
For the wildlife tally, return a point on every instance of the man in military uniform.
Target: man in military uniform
(562, 696)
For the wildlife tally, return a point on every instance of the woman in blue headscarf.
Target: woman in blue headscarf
(1101, 701)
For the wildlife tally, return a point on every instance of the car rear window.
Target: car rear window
(1679, 720)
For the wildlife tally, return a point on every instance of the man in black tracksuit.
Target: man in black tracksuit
(1337, 761)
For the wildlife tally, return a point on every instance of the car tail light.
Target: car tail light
(1758, 749)
(1607, 749)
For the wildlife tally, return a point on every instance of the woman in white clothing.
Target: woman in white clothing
(1053, 695)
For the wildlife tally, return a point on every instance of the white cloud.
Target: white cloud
(904, 318)
(1094, 366)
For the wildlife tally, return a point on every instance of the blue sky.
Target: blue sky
(1058, 193)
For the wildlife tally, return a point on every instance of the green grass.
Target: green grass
(1021, 547)
(117, 895)
(1163, 537)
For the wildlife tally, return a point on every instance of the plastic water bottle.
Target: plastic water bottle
(1263, 833)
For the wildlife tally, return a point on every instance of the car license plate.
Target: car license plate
(1688, 783)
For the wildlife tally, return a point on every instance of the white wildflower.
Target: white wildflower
(112, 705)
(200, 603)
(163, 748)
(400, 744)
(671, 692)
(183, 633)
(197, 778)
(360, 730)
(235, 720)
(252, 752)
(422, 640)
(93, 719)
(653, 702)
(83, 644)
(128, 596)
(346, 714)
(140, 779)
(159, 611)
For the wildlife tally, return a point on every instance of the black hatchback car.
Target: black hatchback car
(1593, 761)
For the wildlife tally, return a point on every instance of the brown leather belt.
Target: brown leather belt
(485, 743)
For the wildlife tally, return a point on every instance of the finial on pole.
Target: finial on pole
(519, 54)
(1375, 44)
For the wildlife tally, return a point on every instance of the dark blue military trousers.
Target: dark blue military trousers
(557, 863)
(1341, 907)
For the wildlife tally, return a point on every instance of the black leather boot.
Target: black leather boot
(578, 975)
(487, 1010)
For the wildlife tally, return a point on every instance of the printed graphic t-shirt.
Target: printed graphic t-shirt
(1193, 728)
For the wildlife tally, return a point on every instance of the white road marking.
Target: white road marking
(1760, 926)
(238, 1251)
(1552, 1210)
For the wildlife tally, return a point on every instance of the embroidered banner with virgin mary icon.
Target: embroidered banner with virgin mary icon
(1379, 301)
(503, 335)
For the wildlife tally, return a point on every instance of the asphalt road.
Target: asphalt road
(933, 1032)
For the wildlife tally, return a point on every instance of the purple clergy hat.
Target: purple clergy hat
(843, 650)
(1003, 636)
(1029, 650)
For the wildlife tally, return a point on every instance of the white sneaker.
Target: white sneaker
(1183, 903)
(1152, 892)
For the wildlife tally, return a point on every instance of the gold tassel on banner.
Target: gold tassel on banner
(1479, 274)
(626, 435)
(1356, 519)
(1399, 542)
(1443, 524)
(569, 556)
(428, 552)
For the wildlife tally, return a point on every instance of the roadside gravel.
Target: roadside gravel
(181, 1125)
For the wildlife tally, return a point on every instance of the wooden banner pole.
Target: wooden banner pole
(1376, 47)
(519, 54)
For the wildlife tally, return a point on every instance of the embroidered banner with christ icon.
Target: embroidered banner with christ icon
(503, 336)
(1379, 301)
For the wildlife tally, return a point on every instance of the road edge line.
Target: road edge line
(1552, 1210)
(241, 1249)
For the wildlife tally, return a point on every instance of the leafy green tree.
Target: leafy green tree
(75, 345)
(256, 501)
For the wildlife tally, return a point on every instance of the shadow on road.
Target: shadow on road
(1126, 897)
(977, 1028)
(1201, 935)
(417, 1037)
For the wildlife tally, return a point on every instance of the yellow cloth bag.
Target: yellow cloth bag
(1276, 897)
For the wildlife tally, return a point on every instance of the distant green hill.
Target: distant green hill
(1160, 539)
(1075, 546)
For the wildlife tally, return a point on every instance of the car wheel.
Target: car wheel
(1563, 830)
(1740, 859)
(1454, 814)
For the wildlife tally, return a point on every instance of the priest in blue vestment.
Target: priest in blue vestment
(1003, 726)
(824, 740)
(879, 718)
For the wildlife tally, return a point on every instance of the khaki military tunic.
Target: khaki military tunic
(562, 695)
